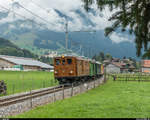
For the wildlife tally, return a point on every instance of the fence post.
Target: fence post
(114, 78)
(72, 90)
(13, 88)
(139, 77)
(104, 75)
(94, 83)
(63, 92)
(30, 98)
(22, 85)
(32, 84)
(55, 81)
(54, 98)
(23, 80)
(87, 86)
(99, 82)
(80, 86)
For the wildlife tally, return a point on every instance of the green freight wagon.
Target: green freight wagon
(98, 69)
(92, 68)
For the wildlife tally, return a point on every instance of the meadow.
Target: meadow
(111, 100)
(21, 81)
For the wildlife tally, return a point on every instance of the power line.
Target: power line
(39, 6)
(35, 14)
(18, 14)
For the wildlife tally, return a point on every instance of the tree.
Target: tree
(124, 57)
(131, 15)
(108, 56)
(146, 55)
(101, 56)
(94, 57)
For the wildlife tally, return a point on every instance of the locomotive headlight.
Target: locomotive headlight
(71, 71)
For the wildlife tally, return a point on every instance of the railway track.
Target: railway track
(30, 95)
(33, 94)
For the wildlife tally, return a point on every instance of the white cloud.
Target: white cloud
(118, 37)
(55, 22)
(65, 6)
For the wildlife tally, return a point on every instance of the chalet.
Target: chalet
(21, 63)
(145, 66)
(119, 67)
(113, 68)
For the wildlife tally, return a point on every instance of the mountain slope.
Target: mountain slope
(29, 35)
(8, 48)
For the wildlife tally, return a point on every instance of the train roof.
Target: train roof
(80, 57)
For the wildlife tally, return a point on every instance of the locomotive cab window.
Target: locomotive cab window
(69, 61)
(57, 62)
(63, 61)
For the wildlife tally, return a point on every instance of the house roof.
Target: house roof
(115, 59)
(25, 61)
(120, 65)
(131, 67)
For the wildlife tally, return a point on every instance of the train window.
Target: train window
(63, 61)
(69, 61)
(57, 62)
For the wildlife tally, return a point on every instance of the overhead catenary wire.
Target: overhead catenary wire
(18, 14)
(39, 6)
(47, 11)
(34, 14)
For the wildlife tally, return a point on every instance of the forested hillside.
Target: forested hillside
(8, 48)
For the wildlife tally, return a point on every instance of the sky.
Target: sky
(56, 23)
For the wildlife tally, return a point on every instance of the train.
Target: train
(73, 69)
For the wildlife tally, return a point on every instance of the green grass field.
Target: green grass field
(112, 100)
(25, 81)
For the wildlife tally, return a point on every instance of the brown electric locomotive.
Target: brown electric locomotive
(70, 69)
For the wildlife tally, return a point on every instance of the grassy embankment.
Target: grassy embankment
(25, 81)
(112, 100)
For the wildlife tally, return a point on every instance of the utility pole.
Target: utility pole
(66, 35)
(67, 32)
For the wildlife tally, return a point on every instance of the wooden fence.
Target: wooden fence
(131, 77)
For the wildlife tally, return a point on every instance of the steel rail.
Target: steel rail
(32, 94)
(35, 94)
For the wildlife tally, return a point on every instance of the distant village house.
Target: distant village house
(51, 54)
(119, 66)
(20, 63)
(145, 66)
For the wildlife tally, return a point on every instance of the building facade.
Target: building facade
(20, 63)
(145, 66)
(5, 64)
(111, 68)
